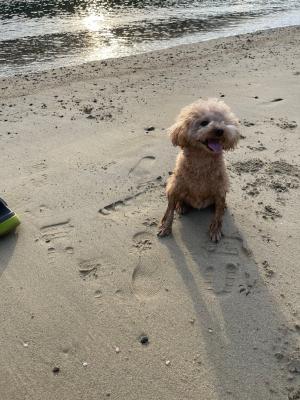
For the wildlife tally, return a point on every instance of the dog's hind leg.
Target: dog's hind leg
(165, 227)
(182, 208)
(215, 229)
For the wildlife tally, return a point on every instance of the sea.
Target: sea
(37, 35)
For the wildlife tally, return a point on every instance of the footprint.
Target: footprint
(221, 280)
(143, 241)
(284, 123)
(39, 166)
(51, 253)
(248, 286)
(98, 294)
(147, 278)
(88, 269)
(116, 205)
(143, 167)
(69, 250)
(56, 230)
(56, 237)
(95, 268)
(111, 207)
(230, 277)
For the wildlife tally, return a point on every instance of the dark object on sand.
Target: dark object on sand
(144, 340)
(8, 219)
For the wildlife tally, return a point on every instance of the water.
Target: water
(40, 34)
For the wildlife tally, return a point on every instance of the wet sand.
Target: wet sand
(85, 157)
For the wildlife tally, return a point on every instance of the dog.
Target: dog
(203, 130)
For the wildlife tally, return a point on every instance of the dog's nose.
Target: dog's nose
(219, 132)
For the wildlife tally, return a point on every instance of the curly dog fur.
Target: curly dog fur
(203, 130)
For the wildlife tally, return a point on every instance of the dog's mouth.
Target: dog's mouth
(213, 145)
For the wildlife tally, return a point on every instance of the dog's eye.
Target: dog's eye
(204, 123)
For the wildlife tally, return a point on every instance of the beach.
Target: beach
(85, 159)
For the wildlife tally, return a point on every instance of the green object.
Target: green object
(9, 225)
(9, 220)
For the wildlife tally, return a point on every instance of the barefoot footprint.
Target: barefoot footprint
(147, 277)
(143, 167)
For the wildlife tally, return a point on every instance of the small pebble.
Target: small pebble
(56, 370)
(144, 340)
(168, 362)
(117, 350)
(149, 128)
(277, 99)
(85, 364)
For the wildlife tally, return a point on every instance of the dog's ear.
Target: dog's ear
(178, 133)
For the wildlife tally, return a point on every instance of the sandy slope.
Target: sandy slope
(85, 275)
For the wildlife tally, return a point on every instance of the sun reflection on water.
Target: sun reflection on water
(93, 22)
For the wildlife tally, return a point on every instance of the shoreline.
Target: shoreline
(70, 73)
(287, 18)
(85, 159)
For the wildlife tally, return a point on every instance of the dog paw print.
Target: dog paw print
(247, 287)
(244, 289)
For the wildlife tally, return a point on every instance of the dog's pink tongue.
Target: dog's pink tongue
(215, 146)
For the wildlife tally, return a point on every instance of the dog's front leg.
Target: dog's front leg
(215, 229)
(165, 227)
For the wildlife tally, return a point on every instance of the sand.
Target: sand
(84, 161)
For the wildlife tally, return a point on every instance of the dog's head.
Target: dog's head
(208, 125)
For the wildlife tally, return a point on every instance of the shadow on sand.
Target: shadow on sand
(248, 342)
(7, 247)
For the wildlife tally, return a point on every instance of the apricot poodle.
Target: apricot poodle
(203, 130)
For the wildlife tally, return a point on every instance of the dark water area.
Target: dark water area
(38, 34)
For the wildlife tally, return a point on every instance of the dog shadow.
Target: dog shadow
(239, 320)
(7, 248)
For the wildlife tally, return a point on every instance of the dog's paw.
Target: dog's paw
(215, 232)
(164, 231)
(216, 236)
